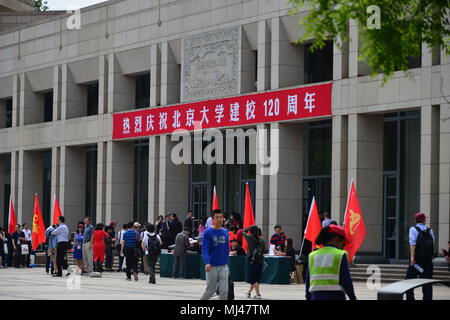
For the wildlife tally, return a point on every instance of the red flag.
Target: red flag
(355, 230)
(249, 218)
(12, 221)
(56, 211)
(38, 231)
(215, 202)
(313, 225)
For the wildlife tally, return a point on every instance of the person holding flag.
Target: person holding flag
(328, 276)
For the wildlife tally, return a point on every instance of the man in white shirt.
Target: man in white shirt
(153, 251)
(120, 237)
(26, 230)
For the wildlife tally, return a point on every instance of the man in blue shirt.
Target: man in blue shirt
(216, 255)
(129, 249)
(62, 240)
(421, 255)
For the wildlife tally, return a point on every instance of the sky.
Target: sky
(70, 4)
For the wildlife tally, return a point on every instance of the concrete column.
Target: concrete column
(15, 178)
(153, 178)
(29, 182)
(285, 205)
(3, 210)
(103, 84)
(121, 89)
(119, 181)
(262, 179)
(73, 96)
(73, 184)
(429, 164)
(339, 164)
(101, 181)
(247, 65)
(173, 180)
(353, 50)
(16, 101)
(427, 56)
(340, 61)
(155, 75)
(365, 168)
(170, 76)
(287, 59)
(264, 53)
(57, 90)
(444, 176)
(56, 176)
(31, 104)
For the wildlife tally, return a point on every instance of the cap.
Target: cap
(137, 224)
(420, 216)
(80, 225)
(337, 229)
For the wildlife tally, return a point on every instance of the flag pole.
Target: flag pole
(307, 222)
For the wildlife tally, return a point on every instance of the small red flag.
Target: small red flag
(56, 211)
(313, 225)
(38, 232)
(355, 230)
(215, 202)
(249, 217)
(12, 221)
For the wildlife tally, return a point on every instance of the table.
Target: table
(237, 266)
(278, 270)
(192, 265)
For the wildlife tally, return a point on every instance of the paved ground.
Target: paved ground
(36, 284)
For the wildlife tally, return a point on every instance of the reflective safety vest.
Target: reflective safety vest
(324, 268)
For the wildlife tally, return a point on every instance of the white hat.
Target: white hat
(137, 224)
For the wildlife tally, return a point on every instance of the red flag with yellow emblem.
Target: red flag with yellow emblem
(38, 231)
(355, 230)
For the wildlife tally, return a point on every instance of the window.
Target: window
(8, 122)
(48, 106)
(46, 186)
(319, 64)
(92, 99)
(142, 91)
(140, 204)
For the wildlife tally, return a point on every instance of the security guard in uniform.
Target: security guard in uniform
(328, 276)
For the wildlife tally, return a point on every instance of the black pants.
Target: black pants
(108, 258)
(27, 257)
(61, 249)
(152, 258)
(427, 273)
(130, 255)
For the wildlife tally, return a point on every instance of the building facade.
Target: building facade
(60, 87)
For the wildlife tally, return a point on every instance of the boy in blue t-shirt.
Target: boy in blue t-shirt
(216, 255)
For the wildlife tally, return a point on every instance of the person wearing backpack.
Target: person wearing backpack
(255, 259)
(151, 245)
(421, 244)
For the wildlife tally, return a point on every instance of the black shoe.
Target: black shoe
(136, 277)
(57, 275)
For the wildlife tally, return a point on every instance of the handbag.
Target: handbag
(24, 249)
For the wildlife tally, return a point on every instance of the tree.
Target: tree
(40, 5)
(404, 25)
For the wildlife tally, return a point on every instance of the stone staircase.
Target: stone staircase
(393, 272)
(115, 262)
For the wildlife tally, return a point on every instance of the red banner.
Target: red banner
(274, 106)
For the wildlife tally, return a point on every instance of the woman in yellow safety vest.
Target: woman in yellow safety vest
(328, 276)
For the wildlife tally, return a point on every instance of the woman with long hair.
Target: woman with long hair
(78, 246)
(99, 247)
(255, 259)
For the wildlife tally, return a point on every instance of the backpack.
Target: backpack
(424, 245)
(153, 244)
(258, 254)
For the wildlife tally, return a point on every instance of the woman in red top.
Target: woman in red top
(99, 247)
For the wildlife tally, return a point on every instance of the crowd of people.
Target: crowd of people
(215, 238)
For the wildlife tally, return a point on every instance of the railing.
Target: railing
(396, 290)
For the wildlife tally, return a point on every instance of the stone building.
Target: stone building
(60, 86)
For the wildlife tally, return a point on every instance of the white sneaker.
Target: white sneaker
(257, 297)
(248, 294)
